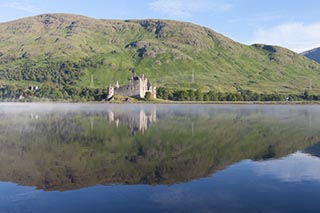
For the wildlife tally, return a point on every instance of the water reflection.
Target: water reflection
(63, 147)
(297, 167)
(137, 121)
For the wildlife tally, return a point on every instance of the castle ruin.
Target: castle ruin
(137, 87)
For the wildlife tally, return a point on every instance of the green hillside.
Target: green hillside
(65, 50)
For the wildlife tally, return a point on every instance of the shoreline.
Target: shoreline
(174, 102)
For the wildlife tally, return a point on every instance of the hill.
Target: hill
(313, 54)
(63, 50)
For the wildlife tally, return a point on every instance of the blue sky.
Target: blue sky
(294, 24)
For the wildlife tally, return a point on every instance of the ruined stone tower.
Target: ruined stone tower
(136, 87)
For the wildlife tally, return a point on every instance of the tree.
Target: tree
(199, 95)
(306, 95)
(191, 95)
(148, 96)
(165, 93)
(231, 97)
(206, 97)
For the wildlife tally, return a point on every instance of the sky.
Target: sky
(294, 24)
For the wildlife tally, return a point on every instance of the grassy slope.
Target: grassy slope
(168, 52)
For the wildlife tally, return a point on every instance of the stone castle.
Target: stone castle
(137, 87)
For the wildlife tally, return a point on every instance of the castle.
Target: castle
(137, 87)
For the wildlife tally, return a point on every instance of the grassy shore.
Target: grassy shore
(234, 102)
(129, 100)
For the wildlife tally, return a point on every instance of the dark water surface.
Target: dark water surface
(159, 158)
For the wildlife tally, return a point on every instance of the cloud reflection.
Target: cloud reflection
(297, 167)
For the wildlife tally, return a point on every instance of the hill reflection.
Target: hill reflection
(63, 147)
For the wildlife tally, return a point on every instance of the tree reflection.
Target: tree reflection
(68, 147)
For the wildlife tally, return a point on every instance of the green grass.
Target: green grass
(172, 52)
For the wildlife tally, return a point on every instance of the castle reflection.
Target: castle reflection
(138, 121)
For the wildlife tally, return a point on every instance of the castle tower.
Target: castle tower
(149, 85)
(117, 85)
(154, 92)
(110, 90)
(142, 86)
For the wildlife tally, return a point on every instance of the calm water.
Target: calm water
(159, 158)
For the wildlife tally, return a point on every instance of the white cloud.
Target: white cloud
(20, 5)
(298, 37)
(187, 8)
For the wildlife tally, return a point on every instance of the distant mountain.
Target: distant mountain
(313, 54)
(66, 50)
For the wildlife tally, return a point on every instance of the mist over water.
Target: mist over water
(96, 157)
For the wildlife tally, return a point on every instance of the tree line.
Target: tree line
(55, 92)
(242, 95)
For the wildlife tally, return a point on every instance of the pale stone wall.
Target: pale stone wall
(110, 92)
(137, 87)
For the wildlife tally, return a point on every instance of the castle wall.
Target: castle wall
(143, 87)
(154, 92)
(137, 88)
(110, 92)
(128, 90)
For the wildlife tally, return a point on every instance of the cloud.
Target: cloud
(187, 8)
(20, 5)
(298, 37)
